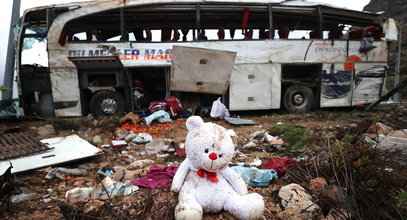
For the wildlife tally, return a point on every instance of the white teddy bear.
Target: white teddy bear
(204, 180)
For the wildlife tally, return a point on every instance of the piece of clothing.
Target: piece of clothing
(210, 175)
(156, 177)
(279, 165)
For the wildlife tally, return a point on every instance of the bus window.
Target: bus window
(292, 24)
(234, 22)
(172, 23)
(102, 26)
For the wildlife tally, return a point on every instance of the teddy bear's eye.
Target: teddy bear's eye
(206, 150)
(220, 155)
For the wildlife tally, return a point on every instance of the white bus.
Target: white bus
(112, 56)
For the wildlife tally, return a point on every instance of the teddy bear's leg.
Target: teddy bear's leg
(188, 208)
(250, 206)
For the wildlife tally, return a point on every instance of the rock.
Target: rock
(46, 130)
(398, 133)
(379, 128)
(97, 140)
(317, 184)
(293, 196)
(93, 207)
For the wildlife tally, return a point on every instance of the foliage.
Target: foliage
(296, 137)
(368, 174)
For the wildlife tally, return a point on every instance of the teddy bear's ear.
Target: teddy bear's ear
(194, 122)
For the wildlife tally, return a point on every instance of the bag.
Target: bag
(219, 110)
(174, 106)
(157, 106)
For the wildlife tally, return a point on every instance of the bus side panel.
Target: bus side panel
(368, 83)
(336, 87)
(255, 87)
(65, 89)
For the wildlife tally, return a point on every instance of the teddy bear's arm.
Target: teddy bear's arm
(234, 180)
(180, 175)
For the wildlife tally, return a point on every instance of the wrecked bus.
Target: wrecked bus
(113, 56)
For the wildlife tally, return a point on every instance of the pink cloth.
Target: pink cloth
(156, 177)
(279, 165)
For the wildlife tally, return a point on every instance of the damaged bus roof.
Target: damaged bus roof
(289, 4)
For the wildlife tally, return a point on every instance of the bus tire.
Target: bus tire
(298, 99)
(107, 103)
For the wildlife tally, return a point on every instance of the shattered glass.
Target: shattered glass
(40, 35)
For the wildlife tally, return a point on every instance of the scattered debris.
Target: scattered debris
(255, 177)
(60, 172)
(133, 118)
(219, 110)
(156, 177)
(279, 165)
(239, 121)
(62, 149)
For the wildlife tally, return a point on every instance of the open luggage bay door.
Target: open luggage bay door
(201, 70)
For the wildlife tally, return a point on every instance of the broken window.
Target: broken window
(102, 26)
(160, 23)
(233, 22)
(292, 23)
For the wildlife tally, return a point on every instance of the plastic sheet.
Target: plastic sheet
(161, 115)
(219, 110)
(255, 177)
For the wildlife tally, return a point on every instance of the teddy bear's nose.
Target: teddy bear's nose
(213, 156)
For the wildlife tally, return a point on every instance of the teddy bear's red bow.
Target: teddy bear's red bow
(210, 175)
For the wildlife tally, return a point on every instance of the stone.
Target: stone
(294, 196)
(317, 184)
(46, 130)
(379, 128)
(97, 140)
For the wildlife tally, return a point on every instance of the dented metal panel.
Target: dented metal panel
(255, 87)
(368, 83)
(201, 70)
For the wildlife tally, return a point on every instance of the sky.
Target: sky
(5, 17)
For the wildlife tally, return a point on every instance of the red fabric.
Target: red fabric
(157, 106)
(221, 33)
(213, 156)
(62, 37)
(283, 32)
(156, 177)
(263, 34)
(245, 17)
(249, 34)
(373, 31)
(210, 175)
(138, 34)
(336, 33)
(356, 34)
(279, 165)
(166, 34)
(174, 106)
(315, 34)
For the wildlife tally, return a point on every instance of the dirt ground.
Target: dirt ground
(159, 203)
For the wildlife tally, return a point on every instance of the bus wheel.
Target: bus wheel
(298, 99)
(107, 103)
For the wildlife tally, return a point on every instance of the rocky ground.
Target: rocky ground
(323, 128)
